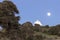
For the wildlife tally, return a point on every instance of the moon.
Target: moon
(48, 14)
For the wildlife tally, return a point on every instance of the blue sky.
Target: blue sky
(31, 10)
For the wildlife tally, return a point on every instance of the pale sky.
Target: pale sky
(31, 10)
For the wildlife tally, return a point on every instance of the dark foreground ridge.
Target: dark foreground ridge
(12, 30)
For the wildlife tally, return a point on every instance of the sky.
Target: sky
(32, 10)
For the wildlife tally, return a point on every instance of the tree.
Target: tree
(37, 27)
(7, 13)
(8, 20)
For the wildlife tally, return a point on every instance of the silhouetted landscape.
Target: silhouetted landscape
(13, 30)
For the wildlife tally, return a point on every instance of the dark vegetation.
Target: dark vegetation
(12, 30)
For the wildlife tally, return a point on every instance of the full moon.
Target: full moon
(48, 14)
